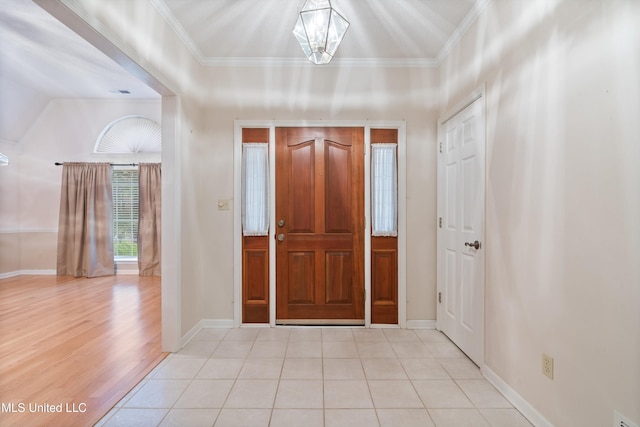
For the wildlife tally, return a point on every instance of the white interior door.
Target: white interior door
(461, 190)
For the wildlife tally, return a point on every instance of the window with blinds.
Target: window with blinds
(124, 184)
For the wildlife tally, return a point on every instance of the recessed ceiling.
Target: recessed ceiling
(258, 32)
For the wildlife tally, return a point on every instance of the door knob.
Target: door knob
(475, 244)
(280, 237)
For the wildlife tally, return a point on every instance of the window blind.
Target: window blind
(124, 184)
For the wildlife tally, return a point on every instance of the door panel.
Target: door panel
(320, 199)
(450, 282)
(338, 217)
(461, 192)
(467, 283)
(451, 180)
(468, 193)
(338, 278)
(255, 268)
(301, 187)
(302, 277)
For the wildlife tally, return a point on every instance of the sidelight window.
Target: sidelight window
(384, 190)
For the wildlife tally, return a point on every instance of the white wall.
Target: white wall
(563, 199)
(19, 107)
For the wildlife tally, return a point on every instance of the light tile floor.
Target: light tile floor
(309, 377)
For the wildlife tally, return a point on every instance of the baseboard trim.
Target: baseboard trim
(525, 408)
(384, 326)
(189, 335)
(205, 323)
(9, 274)
(28, 273)
(421, 324)
(217, 323)
(53, 273)
(38, 272)
(127, 272)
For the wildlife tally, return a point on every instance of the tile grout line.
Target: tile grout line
(324, 413)
(275, 396)
(373, 403)
(244, 360)
(287, 345)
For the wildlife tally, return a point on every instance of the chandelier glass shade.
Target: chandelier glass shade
(319, 30)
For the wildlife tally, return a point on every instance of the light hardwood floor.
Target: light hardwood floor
(75, 344)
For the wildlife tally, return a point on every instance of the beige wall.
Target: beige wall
(138, 30)
(317, 93)
(9, 210)
(38, 250)
(9, 252)
(563, 185)
(211, 98)
(563, 214)
(65, 130)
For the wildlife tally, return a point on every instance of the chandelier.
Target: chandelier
(319, 30)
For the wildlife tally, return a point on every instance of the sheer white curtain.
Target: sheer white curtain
(384, 190)
(255, 189)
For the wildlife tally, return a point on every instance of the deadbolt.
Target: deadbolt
(281, 223)
(280, 237)
(475, 245)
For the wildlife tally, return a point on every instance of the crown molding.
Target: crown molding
(177, 27)
(8, 141)
(335, 63)
(478, 7)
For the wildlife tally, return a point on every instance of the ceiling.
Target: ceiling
(41, 59)
(382, 32)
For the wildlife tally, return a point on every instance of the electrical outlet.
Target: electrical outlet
(547, 365)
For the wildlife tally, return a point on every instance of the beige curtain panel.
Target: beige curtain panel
(85, 237)
(149, 219)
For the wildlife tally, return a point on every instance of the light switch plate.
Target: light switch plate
(223, 205)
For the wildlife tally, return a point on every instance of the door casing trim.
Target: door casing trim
(479, 93)
(402, 211)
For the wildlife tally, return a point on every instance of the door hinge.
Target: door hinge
(440, 222)
(439, 297)
(441, 147)
(364, 295)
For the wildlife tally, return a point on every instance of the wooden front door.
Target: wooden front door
(319, 225)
